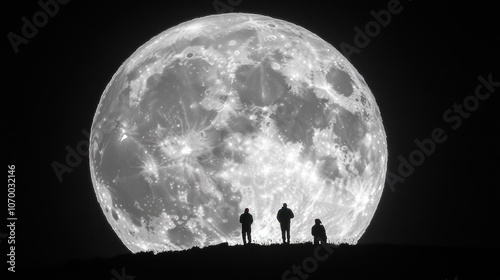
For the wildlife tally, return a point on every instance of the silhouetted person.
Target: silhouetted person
(319, 232)
(246, 221)
(284, 216)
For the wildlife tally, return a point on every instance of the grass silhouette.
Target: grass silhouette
(278, 261)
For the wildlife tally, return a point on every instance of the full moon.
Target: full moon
(236, 111)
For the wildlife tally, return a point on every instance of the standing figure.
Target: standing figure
(246, 221)
(284, 216)
(319, 232)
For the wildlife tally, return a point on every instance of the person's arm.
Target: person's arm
(241, 218)
(251, 219)
(291, 214)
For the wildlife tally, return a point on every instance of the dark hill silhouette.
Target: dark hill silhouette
(272, 261)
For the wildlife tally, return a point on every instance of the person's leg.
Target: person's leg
(283, 228)
(243, 233)
(288, 233)
(316, 240)
(249, 236)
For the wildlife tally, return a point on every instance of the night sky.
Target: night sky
(425, 60)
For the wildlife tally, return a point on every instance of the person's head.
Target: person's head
(317, 221)
(284, 205)
(246, 210)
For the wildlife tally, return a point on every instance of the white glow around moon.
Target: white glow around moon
(232, 111)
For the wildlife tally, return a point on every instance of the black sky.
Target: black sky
(424, 61)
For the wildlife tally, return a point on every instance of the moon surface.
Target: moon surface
(236, 111)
